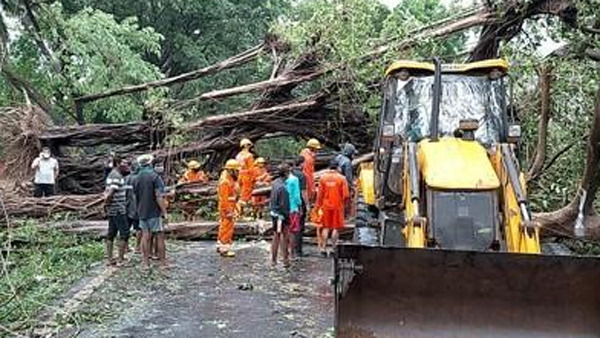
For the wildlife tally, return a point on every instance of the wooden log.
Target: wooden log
(182, 230)
(251, 88)
(97, 134)
(231, 62)
(246, 116)
(81, 206)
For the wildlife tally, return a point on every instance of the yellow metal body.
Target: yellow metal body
(415, 230)
(460, 165)
(484, 65)
(517, 238)
(455, 164)
(366, 182)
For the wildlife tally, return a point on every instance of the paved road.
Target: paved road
(209, 296)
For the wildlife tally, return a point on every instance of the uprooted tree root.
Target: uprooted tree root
(20, 128)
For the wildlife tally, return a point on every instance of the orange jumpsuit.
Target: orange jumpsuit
(261, 177)
(332, 198)
(227, 209)
(309, 171)
(191, 176)
(246, 177)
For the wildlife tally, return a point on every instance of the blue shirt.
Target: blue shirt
(292, 185)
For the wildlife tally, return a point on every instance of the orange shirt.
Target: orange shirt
(191, 176)
(261, 175)
(308, 169)
(333, 191)
(246, 160)
(226, 193)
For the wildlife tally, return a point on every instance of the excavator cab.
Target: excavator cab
(444, 242)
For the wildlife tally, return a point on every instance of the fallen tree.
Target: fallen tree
(97, 134)
(271, 42)
(78, 206)
(510, 21)
(185, 230)
(90, 206)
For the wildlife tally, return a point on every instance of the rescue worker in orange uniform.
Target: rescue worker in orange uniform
(262, 178)
(227, 207)
(246, 178)
(308, 169)
(193, 174)
(332, 197)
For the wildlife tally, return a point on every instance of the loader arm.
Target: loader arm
(521, 233)
(415, 227)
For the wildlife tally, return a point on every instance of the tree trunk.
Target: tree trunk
(278, 82)
(98, 134)
(200, 230)
(233, 61)
(564, 219)
(509, 24)
(545, 81)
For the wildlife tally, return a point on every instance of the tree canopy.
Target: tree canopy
(56, 51)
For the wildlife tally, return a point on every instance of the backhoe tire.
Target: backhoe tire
(366, 230)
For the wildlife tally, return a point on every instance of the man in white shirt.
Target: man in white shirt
(46, 172)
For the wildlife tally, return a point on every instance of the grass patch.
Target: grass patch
(40, 266)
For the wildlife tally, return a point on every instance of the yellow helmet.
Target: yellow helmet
(245, 143)
(193, 164)
(232, 165)
(313, 143)
(260, 160)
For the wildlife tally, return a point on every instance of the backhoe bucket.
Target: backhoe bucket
(401, 292)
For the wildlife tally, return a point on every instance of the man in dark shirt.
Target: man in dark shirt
(149, 191)
(344, 162)
(132, 215)
(116, 209)
(297, 171)
(279, 206)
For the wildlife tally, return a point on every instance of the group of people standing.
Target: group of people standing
(294, 196)
(135, 198)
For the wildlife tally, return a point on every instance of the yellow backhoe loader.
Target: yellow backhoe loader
(445, 244)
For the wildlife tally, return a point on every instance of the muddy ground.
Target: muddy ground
(204, 295)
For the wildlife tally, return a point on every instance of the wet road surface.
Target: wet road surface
(205, 295)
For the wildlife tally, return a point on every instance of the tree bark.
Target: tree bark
(250, 88)
(564, 219)
(200, 230)
(19, 82)
(545, 81)
(444, 28)
(242, 117)
(97, 134)
(509, 24)
(593, 54)
(233, 61)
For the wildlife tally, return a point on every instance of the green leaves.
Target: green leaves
(99, 53)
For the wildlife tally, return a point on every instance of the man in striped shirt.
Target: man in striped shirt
(115, 202)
